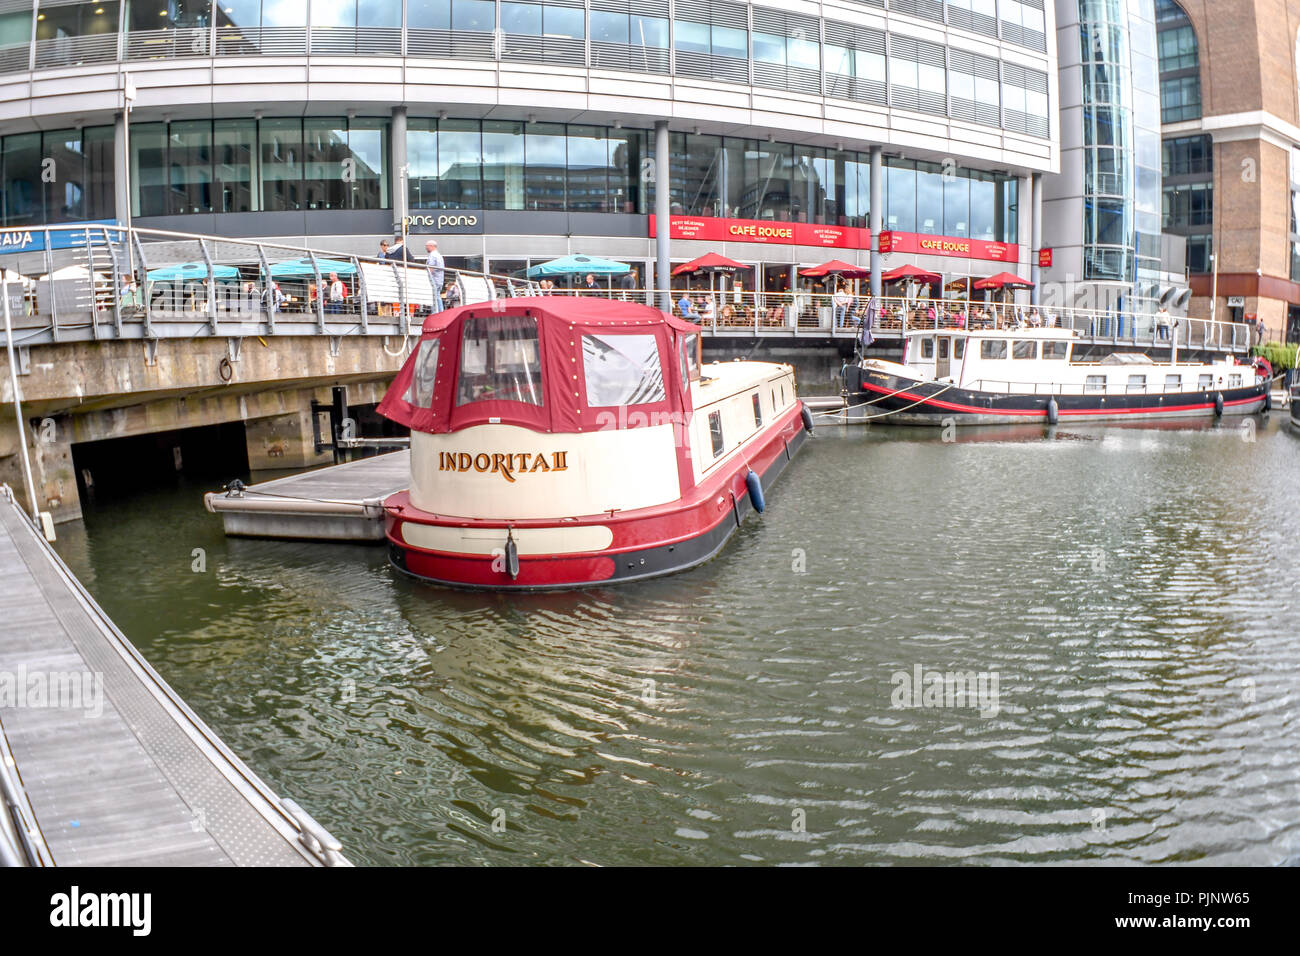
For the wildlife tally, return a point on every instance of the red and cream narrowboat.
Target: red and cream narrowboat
(564, 442)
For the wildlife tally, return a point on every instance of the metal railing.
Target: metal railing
(93, 282)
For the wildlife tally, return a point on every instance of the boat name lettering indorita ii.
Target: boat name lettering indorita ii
(563, 442)
(1025, 375)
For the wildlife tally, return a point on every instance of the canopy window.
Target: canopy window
(420, 392)
(500, 360)
(622, 370)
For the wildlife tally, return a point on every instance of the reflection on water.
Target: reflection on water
(1132, 589)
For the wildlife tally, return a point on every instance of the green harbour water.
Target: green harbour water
(1126, 597)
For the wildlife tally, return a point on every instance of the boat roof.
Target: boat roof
(1025, 333)
(592, 311)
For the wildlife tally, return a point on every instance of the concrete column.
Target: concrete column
(399, 175)
(49, 445)
(662, 210)
(285, 441)
(1036, 242)
(121, 170)
(876, 217)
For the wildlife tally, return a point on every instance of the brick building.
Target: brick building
(1230, 124)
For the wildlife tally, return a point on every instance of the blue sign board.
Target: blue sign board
(33, 239)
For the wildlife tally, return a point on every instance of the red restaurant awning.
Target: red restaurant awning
(1004, 280)
(837, 267)
(910, 272)
(711, 262)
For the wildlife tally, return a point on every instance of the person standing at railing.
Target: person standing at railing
(337, 293)
(1162, 323)
(627, 284)
(843, 301)
(435, 266)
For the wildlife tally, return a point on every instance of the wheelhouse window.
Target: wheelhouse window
(958, 348)
(622, 370)
(500, 360)
(927, 347)
(1024, 350)
(1095, 383)
(1056, 350)
(420, 391)
(943, 347)
(993, 349)
(715, 433)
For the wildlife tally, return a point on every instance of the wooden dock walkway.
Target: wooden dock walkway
(100, 761)
(336, 503)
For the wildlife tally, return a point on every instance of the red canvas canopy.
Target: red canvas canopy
(1004, 280)
(710, 262)
(523, 362)
(836, 267)
(910, 272)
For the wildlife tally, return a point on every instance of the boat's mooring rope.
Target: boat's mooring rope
(843, 412)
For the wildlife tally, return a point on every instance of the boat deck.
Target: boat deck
(335, 503)
(100, 762)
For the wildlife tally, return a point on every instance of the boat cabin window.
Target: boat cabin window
(1056, 350)
(500, 360)
(1234, 381)
(758, 411)
(1205, 381)
(690, 367)
(927, 347)
(1095, 383)
(1024, 350)
(1173, 383)
(993, 349)
(715, 433)
(943, 348)
(622, 370)
(958, 348)
(420, 391)
(1137, 383)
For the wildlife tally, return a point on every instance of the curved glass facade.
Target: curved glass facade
(1121, 142)
(1180, 65)
(710, 39)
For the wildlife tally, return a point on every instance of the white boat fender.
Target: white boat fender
(807, 419)
(1053, 412)
(755, 486)
(512, 554)
(1218, 404)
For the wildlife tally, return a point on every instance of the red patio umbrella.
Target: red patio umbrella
(836, 267)
(712, 262)
(1004, 280)
(910, 272)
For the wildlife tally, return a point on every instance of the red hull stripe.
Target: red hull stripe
(957, 407)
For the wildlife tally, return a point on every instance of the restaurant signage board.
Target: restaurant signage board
(715, 229)
(920, 244)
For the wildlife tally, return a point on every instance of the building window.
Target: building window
(1180, 69)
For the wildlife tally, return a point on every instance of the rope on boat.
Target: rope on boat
(841, 412)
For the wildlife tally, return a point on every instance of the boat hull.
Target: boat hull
(643, 544)
(896, 400)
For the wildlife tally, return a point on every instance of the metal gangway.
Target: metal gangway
(101, 763)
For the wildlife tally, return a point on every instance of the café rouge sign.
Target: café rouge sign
(505, 464)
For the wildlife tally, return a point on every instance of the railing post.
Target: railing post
(212, 286)
(320, 293)
(268, 290)
(134, 237)
(117, 277)
(49, 271)
(362, 298)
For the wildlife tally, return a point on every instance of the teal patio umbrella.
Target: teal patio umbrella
(578, 265)
(302, 268)
(191, 272)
